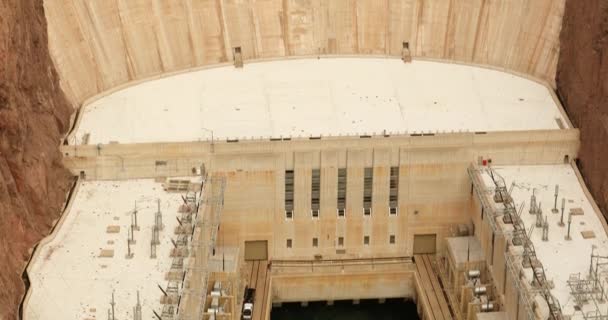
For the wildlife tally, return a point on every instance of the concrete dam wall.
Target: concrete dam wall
(99, 45)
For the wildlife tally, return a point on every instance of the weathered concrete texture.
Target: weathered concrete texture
(34, 114)
(582, 81)
(98, 45)
(325, 282)
(434, 189)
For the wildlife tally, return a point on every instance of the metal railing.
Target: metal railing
(202, 246)
(518, 237)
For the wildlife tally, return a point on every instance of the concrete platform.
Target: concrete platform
(75, 272)
(431, 290)
(560, 257)
(465, 249)
(492, 316)
(319, 97)
(257, 276)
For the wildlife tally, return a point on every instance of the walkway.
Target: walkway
(432, 291)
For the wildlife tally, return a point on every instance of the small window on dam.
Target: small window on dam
(289, 243)
(340, 241)
(366, 240)
(341, 192)
(289, 182)
(393, 198)
(368, 182)
(315, 192)
(315, 242)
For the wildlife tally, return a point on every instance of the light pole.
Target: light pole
(122, 163)
(212, 140)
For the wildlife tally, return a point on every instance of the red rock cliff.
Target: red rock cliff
(582, 81)
(34, 115)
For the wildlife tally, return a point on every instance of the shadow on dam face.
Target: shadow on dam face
(391, 309)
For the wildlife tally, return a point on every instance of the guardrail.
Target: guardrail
(514, 262)
(339, 265)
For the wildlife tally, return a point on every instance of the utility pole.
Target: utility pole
(112, 304)
(159, 217)
(554, 210)
(546, 229)
(137, 310)
(533, 202)
(569, 222)
(561, 219)
(135, 215)
(129, 253)
(539, 216)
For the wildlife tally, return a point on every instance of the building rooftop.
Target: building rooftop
(561, 258)
(492, 315)
(313, 97)
(465, 249)
(69, 277)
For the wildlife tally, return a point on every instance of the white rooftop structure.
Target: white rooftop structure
(464, 249)
(319, 97)
(560, 257)
(69, 279)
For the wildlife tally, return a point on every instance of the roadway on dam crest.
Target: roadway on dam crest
(319, 97)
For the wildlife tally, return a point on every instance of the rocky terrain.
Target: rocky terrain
(34, 115)
(582, 81)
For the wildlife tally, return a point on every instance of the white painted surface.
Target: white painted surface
(312, 97)
(70, 281)
(560, 257)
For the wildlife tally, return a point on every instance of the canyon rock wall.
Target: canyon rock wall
(99, 45)
(34, 115)
(582, 82)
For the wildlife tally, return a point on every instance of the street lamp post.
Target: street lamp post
(122, 163)
(212, 140)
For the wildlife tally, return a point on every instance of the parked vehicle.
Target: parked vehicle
(248, 300)
(217, 289)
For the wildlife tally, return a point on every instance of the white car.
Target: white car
(247, 310)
